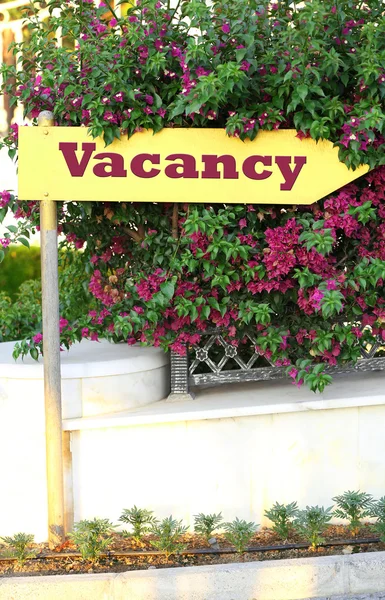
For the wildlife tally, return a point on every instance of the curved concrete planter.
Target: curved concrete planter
(97, 377)
(294, 579)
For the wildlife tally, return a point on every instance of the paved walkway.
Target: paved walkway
(376, 596)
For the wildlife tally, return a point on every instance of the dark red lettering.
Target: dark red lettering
(289, 176)
(188, 167)
(69, 149)
(211, 162)
(138, 162)
(114, 168)
(249, 167)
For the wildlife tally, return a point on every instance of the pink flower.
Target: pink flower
(63, 323)
(37, 338)
(159, 45)
(242, 223)
(15, 130)
(226, 28)
(119, 97)
(316, 298)
(245, 66)
(77, 102)
(109, 116)
(4, 198)
(85, 332)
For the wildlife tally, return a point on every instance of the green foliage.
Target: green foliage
(322, 241)
(168, 533)
(282, 515)
(315, 66)
(312, 522)
(239, 533)
(92, 538)
(311, 374)
(301, 280)
(207, 524)
(353, 506)
(19, 546)
(21, 318)
(378, 512)
(140, 519)
(19, 265)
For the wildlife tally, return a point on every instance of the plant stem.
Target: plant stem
(175, 215)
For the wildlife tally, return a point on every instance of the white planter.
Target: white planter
(293, 579)
(97, 377)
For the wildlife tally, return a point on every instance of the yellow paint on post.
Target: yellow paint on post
(48, 215)
(178, 165)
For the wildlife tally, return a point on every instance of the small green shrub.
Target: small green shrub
(353, 506)
(282, 515)
(312, 522)
(378, 512)
(19, 546)
(92, 538)
(239, 533)
(207, 524)
(168, 536)
(140, 519)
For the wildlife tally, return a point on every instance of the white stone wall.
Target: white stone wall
(235, 449)
(239, 465)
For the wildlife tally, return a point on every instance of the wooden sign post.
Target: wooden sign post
(51, 350)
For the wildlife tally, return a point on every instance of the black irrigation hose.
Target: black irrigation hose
(200, 551)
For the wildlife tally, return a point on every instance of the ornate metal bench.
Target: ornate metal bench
(215, 362)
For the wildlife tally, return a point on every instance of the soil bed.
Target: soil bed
(66, 559)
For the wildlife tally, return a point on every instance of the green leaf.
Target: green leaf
(168, 289)
(205, 312)
(69, 89)
(214, 303)
(302, 91)
(23, 241)
(34, 353)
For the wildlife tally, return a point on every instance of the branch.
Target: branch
(141, 231)
(135, 235)
(175, 215)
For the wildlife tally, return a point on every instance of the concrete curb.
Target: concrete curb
(293, 579)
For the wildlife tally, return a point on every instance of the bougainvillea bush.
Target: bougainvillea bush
(307, 281)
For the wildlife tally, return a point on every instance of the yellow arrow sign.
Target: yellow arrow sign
(178, 165)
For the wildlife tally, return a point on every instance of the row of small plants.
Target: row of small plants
(94, 537)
